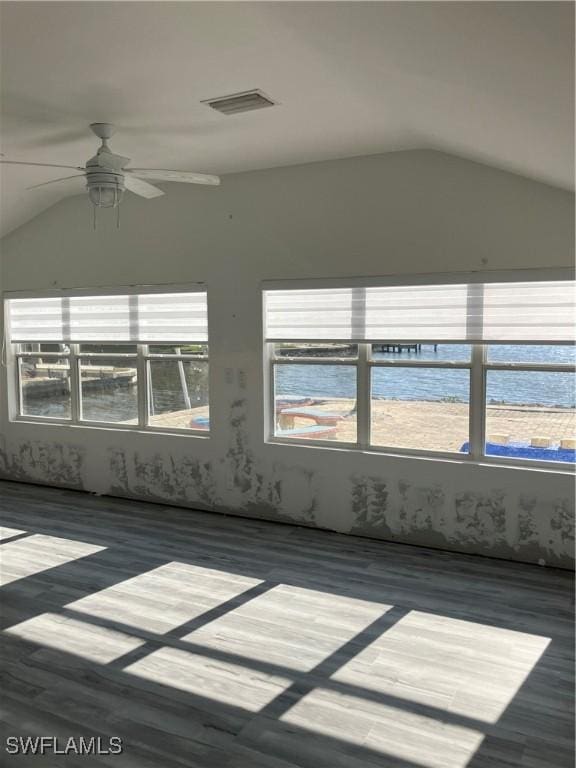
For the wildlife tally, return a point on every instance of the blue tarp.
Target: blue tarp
(526, 451)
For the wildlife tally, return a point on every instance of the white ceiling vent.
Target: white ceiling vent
(240, 102)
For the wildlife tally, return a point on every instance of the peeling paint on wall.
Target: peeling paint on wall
(562, 524)
(118, 471)
(480, 518)
(40, 462)
(370, 504)
(238, 458)
(527, 525)
(495, 522)
(249, 486)
(269, 491)
(183, 480)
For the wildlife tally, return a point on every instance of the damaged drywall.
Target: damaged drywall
(495, 522)
(448, 507)
(41, 462)
(178, 480)
(260, 488)
(240, 482)
(445, 508)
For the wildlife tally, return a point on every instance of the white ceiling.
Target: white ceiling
(487, 80)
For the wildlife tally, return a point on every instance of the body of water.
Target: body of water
(322, 380)
(403, 383)
(115, 402)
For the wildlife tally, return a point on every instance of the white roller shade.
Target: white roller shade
(465, 312)
(529, 311)
(173, 316)
(35, 319)
(98, 318)
(140, 318)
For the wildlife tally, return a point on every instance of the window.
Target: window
(178, 383)
(530, 401)
(44, 381)
(134, 361)
(476, 370)
(109, 383)
(315, 391)
(420, 396)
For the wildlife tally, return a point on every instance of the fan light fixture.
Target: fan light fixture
(106, 194)
(105, 184)
(107, 175)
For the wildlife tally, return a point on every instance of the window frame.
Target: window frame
(141, 357)
(478, 365)
(16, 354)
(271, 410)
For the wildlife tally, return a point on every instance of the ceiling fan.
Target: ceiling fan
(107, 175)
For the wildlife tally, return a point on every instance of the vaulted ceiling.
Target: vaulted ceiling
(486, 80)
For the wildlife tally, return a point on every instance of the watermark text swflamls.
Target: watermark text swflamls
(54, 745)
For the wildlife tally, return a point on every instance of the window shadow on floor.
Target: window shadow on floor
(165, 724)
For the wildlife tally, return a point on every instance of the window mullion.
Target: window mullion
(75, 384)
(477, 402)
(363, 397)
(143, 384)
(18, 368)
(270, 391)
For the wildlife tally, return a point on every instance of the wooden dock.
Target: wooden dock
(55, 379)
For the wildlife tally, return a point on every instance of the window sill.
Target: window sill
(434, 456)
(103, 426)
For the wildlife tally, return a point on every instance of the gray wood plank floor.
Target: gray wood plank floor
(216, 642)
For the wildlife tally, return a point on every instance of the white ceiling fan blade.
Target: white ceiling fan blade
(43, 165)
(53, 181)
(140, 187)
(161, 174)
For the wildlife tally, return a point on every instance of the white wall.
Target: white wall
(407, 212)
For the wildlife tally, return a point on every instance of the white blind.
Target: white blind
(140, 318)
(465, 312)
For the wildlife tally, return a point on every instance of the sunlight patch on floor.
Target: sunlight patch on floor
(385, 729)
(289, 626)
(7, 533)
(165, 597)
(37, 553)
(75, 637)
(463, 667)
(232, 684)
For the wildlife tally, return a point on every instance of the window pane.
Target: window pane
(315, 402)
(562, 354)
(399, 353)
(110, 349)
(109, 390)
(420, 408)
(45, 387)
(328, 349)
(530, 415)
(182, 349)
(62, 348)
(178, 394)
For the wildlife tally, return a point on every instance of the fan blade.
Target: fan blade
(53, 181)
(140, 187)
(43, 165)
(160, 174)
